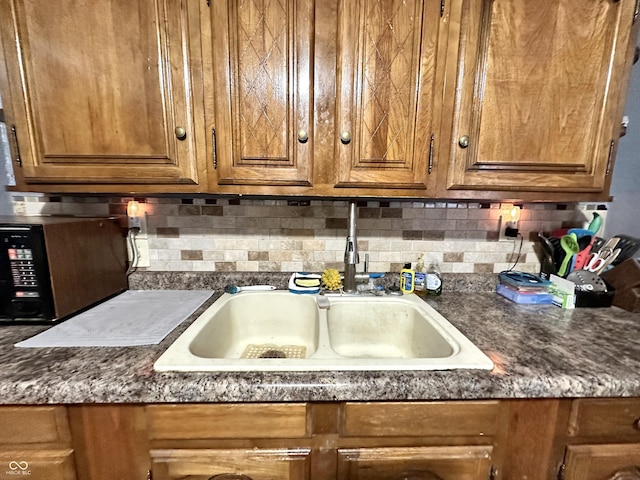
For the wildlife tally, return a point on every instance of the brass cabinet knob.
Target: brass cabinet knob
(345, 137)
(303, 135)
(181, 133)
(464, 141)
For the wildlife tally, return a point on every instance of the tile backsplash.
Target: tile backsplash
(285, 235)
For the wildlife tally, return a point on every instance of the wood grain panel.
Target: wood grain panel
(597, 462)
(27, 425)
(203, 464)
(110, 441)
(263, 84)
(605, 417)
(386, 77)
(420, 419)
(37, 464)
(538, 94)
(79, 250)
(97, 94)
(447, 462)
(227, 421)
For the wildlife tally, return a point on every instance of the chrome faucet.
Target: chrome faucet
(351, 258)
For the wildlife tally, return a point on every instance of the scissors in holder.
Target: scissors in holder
(598, 261)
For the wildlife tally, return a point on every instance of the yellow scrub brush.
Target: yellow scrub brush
(331, 279)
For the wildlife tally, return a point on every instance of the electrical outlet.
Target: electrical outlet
(140, 222)
(508, 229)
(142, 245)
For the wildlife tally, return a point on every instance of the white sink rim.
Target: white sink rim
(179, 358)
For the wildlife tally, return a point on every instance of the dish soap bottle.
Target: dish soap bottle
(433, 279)
(407, 279)
(419, 284)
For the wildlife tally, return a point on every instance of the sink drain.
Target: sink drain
(274, 351)
(273, 354)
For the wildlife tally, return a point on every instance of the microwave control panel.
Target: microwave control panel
(23, 272)
(25, 291)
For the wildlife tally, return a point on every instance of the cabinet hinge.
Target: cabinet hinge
(214, 154)
(430, 166)
(14, 133)
(208, 3)
(561, 472)
(441, 8)
(636, 11)
(149, 475)
(609, 158)
(493, 473)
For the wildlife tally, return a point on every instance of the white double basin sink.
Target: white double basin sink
(282, 331)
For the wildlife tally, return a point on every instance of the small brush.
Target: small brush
(235, 289)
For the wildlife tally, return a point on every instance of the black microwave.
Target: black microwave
(52, 267)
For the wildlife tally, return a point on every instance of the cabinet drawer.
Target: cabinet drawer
(459, 462)
(37, 464)
(420, 419)
(256, 464)
(34, 425)
(610, 417)
(227, 421)
(595, 462)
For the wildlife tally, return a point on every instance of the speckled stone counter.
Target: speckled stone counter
(539, 351)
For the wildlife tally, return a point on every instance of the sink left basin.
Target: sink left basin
(268, 326)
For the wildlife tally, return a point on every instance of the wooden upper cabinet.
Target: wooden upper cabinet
(386, 82)
(538, 93)
(262, 91)
(99, 89)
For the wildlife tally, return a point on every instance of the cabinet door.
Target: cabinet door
(99, 89)
(37, 464)
(386, 82)
(253, 464)
(430, 463)
(538, 93)
(262, 60)
(596, 462)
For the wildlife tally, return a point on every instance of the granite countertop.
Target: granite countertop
(539, 351)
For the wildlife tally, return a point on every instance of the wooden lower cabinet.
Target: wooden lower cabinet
(598, 462)
(416, 463)
(35, 443)
(603, 437)
(37, 464)
(585, 439)
(231, 464)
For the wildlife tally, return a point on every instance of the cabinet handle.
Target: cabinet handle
(609, 158)
(636, 424)
(17, 145)
(430, 166)
(214, 152)
(181, 133)
(303, 135)
(464, 141)
(345, 137)
(230, 476)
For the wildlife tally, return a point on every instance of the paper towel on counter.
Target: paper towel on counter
(135, 317)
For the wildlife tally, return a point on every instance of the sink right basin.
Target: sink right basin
(385, 329)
